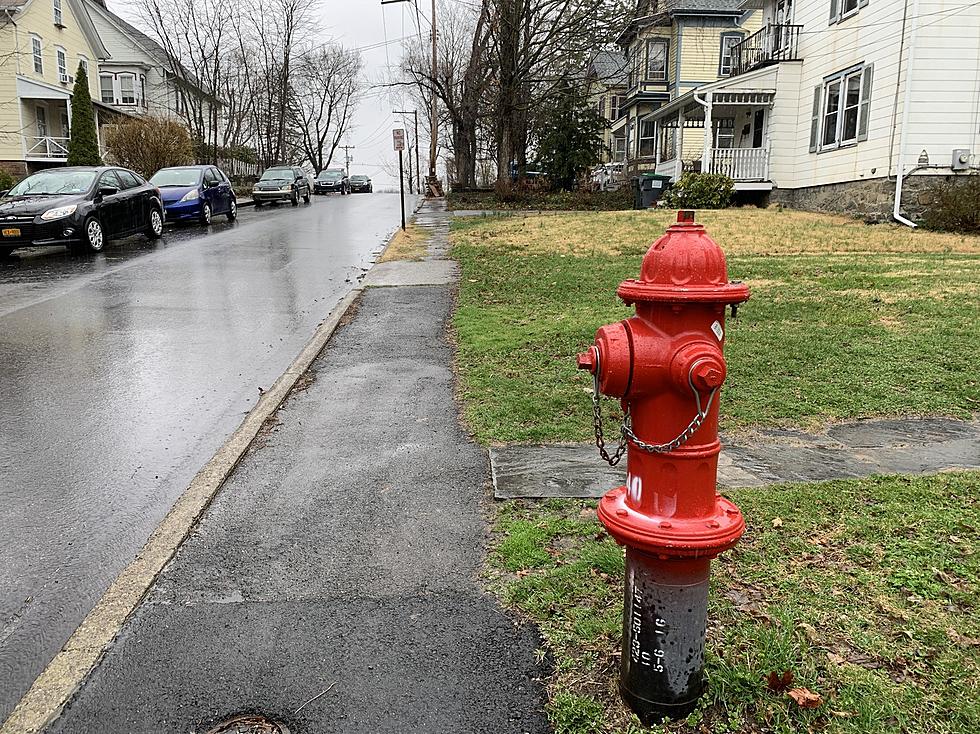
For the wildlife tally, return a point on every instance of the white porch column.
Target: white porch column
(708, 138)
(656, 141)
(679, 165)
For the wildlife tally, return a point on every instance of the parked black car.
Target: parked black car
(79, 207)
(332, 181)
(360, 184)
(282, 183)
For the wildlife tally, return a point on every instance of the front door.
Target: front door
(758, 128)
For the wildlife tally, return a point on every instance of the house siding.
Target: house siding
(17, 117)
(945, 84)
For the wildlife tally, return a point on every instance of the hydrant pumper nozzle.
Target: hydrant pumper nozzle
(666, 365)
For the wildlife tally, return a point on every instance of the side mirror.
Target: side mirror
(108, 190)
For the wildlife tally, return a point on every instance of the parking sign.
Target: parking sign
(399, 138)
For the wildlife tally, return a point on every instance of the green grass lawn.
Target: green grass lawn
(831, 332)
(876, 610)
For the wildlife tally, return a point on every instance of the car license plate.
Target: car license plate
(11, 232)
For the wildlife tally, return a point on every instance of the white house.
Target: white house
(841, 105)
(138, 77)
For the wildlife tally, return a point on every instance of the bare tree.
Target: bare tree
(323, 99)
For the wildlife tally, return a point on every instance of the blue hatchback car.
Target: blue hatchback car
(195, 192)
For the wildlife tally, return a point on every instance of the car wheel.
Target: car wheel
(154, 227)
(295, 200)
(94, 235)
(6, 253)
(258, 204)
(205, 214)
(233, 210)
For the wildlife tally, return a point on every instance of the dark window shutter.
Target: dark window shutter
(833, 10)
(815, 120)
(865, 113)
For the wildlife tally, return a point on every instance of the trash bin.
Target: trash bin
(648, 188)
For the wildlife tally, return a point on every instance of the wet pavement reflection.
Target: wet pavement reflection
(122, 373)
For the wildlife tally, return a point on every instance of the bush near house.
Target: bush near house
(700, 191)
(83, 147)
(529, 200)
(954, 205)
(148, 144)
(6, 180)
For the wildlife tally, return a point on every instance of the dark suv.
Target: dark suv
(281, 183)
(332, 180)
(361, 184)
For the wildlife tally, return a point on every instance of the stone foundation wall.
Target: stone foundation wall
(870, 200)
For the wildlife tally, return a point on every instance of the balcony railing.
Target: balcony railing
(741, 164)
(770, 44)
(45, 146)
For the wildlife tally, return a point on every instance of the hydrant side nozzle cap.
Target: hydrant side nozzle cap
(586, 360)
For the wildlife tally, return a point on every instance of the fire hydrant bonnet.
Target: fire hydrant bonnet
(685, 265)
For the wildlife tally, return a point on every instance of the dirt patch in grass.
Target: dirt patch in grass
(738, 231)
(407, 244)
(867, 591)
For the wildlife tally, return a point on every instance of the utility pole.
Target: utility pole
(347, 156)
(418, 170)
(432, 181)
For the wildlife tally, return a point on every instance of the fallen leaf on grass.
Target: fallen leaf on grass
(776, 682)
(805, 698)
(777, 522)
(962, 640)
(835, 659)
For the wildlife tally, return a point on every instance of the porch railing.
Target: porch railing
(772, 43)
(45, 146)
(741, 164)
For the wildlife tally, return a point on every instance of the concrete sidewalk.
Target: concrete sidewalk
(333, 583)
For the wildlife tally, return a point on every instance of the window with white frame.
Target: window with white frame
(615, 102)
(728, 42)
(106, 92)
(62, 63)
(58, 14)
(127, 89)
(841, 9)
(619, 147)
(83, 63)
(841, 109)
(657, 59)
(648, 138)
(668, 138)
(36, 52)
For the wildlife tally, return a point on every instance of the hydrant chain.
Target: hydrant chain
(600, 441)
(684, 436)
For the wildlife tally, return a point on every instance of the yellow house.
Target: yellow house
(42, 44)
(672, 47)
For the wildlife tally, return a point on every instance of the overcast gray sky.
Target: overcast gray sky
(362, 24)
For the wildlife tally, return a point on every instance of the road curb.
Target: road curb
(67, 671)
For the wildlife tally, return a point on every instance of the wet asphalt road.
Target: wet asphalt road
(122, 373)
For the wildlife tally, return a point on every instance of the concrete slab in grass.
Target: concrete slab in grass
(844, 451)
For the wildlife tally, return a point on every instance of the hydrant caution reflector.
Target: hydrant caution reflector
(666, 365)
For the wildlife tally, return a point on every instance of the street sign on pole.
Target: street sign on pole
(398, 136)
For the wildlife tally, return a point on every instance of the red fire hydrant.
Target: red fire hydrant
(666, 365)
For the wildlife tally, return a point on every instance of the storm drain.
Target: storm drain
(249, 724)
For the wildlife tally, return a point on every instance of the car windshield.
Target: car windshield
(277, 174)
(176, 177)
(53, 182)
(330, 175)
(359, 179)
